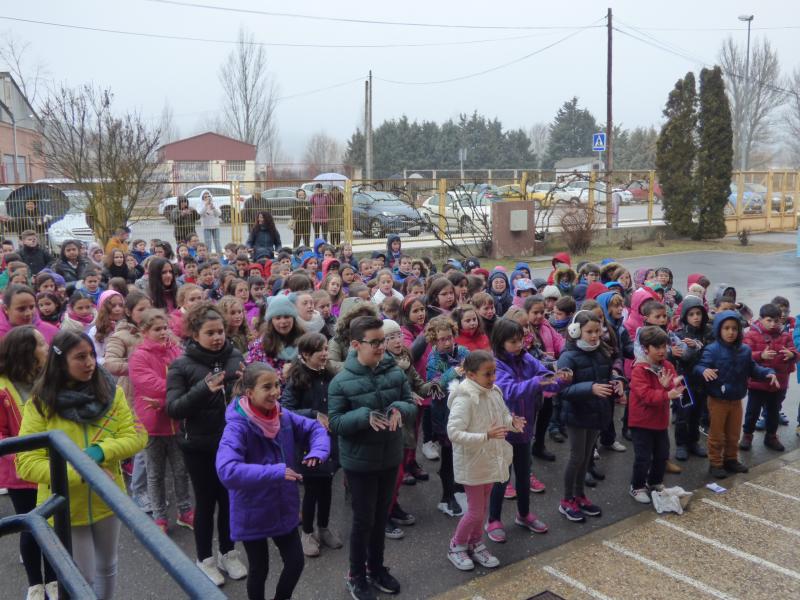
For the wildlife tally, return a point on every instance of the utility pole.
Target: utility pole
(743, 133)
(368, 127)
(609, 131)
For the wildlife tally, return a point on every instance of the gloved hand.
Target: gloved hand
(95, 452)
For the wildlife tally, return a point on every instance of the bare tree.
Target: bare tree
(169, 130)
(539, 133)
(250, 95)
(29, 75)
(113, 159)
(753, 99)
(792, 117)
(322, 150)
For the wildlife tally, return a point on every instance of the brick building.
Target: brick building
(17, 116)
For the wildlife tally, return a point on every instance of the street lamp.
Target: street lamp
(743, 141)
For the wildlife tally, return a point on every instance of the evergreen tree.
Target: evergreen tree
(715, 154)
(675, 156)
(571, 133)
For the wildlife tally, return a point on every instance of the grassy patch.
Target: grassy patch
(640, 249)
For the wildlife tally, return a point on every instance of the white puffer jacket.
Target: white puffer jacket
(473, 411)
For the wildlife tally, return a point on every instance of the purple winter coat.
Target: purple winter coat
(252, 467)
(520, 379)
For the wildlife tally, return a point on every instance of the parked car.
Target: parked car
(222, 199)
(377, 214)
(578, 191)
(278, 201)
(640, 190)
(775, 204)
(462, 212)
(72, 226)
(752, 199)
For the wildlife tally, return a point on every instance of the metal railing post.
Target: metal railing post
(348, 211)
(768, 200)
(236, 232)
(651, 195)
(442, 199)
(61, 522)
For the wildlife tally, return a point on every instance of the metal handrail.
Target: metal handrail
(56, 542)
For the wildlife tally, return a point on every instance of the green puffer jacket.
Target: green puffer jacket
(352, 394)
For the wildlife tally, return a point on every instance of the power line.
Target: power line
(495, 68)
(352, 20)
(184, 38)
(775, 28)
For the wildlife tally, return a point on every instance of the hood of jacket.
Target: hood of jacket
(720, 290)
(495, 275)
(693, 278)
(639, 275)
(595, 289)
(562, 272)
(727, 315)
(579, 293)
(561, 257)
(307, 256)
(607, 269)
(317, 243)
(467, 388)
(603, 300)
(328, 264)
(393, 237)
(640, 296)
(690, 302)
(523, 265)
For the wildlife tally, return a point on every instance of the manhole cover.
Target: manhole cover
(546, 596)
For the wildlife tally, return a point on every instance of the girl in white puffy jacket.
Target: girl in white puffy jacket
(477, 426)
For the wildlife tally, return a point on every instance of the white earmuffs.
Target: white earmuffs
(574, 329)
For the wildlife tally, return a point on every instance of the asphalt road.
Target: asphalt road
(419, 559)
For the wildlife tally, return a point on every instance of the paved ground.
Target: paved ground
(419, 560)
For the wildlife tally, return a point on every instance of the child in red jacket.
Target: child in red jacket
(147, 369)
(654, 384)
(773, 348)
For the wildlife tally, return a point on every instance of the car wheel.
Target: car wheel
(375, 229)
(226, 214)
(415, 232)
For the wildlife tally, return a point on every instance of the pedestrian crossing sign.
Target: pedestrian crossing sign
(598, 142)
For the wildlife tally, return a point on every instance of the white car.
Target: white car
(220, 192)
(579, 190)
(462, 211)
(72, 226)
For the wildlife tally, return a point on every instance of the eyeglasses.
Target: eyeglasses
(374, 343)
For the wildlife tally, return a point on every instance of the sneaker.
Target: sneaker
(783, 419)
(232, 564)
(569, 508)
(616, 447)
(186, 519)
(698, 450)
(761, 424)
(588, 480)
(328, 538)
(162, 525)
(510, 492)
(772, 442)
(543, 453)
(734, 466)
(430, 450)
(747, 441)
(409, 479)
(495, 531)
(460, 558)
(682, 453)
(586, 506)
(536, 486)
(450, 507)
(359, 588)
(418, 472)
(557, 436)
(143, 502)
(392, 531)
(673, 468)
(531, 522)
(481, 555)
(595, 453)
(3, 491)
(382, 580)
(51, 589)
(209, 568)
(401, 517)
(309, 543)
(640, 495)
(717, 472)
(36, 592)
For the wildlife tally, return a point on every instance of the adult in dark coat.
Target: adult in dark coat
(184, 218)
(301, 215)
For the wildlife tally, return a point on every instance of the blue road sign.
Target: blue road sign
(598, 142)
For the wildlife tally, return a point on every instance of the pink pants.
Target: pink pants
(470, 528)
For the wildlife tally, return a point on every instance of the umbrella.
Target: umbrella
(49, 199)
(330, 177)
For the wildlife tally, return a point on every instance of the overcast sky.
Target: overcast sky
(145, 72)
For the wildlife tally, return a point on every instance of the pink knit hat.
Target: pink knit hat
(105, 296)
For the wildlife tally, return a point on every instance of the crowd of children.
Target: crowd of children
(256, 381)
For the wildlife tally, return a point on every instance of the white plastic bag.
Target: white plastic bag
(674, 499)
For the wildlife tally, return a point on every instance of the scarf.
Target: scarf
(80, 405)
(85, 319)
(561, 323)
(269, 425)
(586, 346)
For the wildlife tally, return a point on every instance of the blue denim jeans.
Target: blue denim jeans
(208, 236)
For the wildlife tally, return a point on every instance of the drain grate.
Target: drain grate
(546, 595)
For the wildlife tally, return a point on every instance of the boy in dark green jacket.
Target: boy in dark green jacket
(367, 403)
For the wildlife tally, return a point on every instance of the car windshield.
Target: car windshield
(382, 197)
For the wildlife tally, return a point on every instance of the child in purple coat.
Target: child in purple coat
(522, 379)
(256, 463)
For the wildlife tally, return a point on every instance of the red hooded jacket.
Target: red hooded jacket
(759, 340)
(648, 403)
(561, 257)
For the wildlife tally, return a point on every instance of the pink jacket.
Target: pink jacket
(10, 420)
(551, 339)
(147, 369)
(46, 329)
